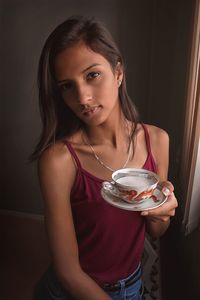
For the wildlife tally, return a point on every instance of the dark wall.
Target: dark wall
(26, 25)
(156, 47)
(136, 42)
(171, 38)
(153, 36)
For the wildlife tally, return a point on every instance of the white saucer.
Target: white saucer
(149, 203)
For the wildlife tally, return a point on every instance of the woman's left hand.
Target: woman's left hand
(167, 210)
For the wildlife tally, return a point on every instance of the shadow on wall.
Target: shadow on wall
(24, 254)
(153, 36)
(26, 25)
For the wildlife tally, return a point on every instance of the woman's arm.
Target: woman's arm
(158, 220)
(56, 175)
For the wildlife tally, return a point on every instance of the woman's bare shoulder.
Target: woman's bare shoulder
(55, 154)
(157, 134)
(159, 140)
(58, 152)
(56, 162)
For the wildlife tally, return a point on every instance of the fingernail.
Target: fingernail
(166, 191)
(144, 213)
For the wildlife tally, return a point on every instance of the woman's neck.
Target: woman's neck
(109, 133)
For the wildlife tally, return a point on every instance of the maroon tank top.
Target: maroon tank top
(110, 240)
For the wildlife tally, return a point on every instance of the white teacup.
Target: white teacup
(132, 184)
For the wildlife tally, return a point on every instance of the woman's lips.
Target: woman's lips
(91, 111)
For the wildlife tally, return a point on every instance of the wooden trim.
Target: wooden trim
(192, 116)
(192, 158)
(14, 213)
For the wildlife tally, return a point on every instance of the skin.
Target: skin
(89, 87)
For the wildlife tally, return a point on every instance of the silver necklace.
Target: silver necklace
(102, 163)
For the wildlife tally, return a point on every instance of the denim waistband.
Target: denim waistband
(127, 281)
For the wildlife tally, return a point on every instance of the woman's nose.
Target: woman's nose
(84, 94)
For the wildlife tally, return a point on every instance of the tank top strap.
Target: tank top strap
(147, 138)
(73, 153)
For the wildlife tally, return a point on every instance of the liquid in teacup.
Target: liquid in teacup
(133, 181)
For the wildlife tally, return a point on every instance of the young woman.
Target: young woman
(90, 129)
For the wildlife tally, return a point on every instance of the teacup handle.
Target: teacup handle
(108, 185)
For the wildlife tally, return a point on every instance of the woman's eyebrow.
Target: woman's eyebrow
(59, 82)
(91, 66)
(86, 69)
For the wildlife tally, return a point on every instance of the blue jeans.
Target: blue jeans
(131, 292)
(49, 289)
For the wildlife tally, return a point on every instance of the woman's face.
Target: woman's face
(88, 84)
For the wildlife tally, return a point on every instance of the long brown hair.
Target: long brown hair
(58, 121)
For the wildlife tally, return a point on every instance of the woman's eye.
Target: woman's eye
(93, 75)
(65, 86)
